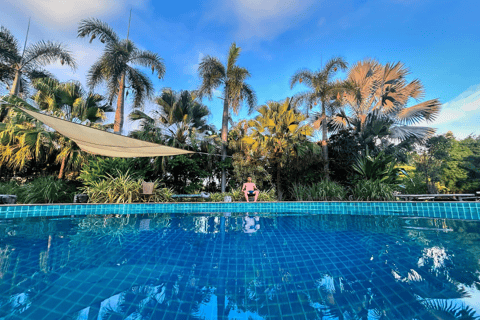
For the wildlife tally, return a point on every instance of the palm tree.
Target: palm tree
(69, 101)
(323, 90)
(232, 77)
(23, 140)
(114, 67)
(278, 132)
(380, 95)
(178, 116)
(16, 65)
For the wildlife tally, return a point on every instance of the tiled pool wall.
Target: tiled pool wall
(450, 210)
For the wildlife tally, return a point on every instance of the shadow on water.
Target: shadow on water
(239, 266)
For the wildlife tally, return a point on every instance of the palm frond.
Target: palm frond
(95, 75)
(97, 29)
(35, 73)
(304, 76)
(9, 49)
(405, 132)
(233, 55)
(249, 95)
(338, 122)
(46, 52)
(141, 85)
(213, 73)
(427, 110)
(236, 81)
(149, 59)
(333, 65)
(137, 115)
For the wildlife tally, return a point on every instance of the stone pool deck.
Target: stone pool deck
(468, 210)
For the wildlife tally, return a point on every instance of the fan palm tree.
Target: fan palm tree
(115, 67)
(16, 65)
(380, 95)
(323, 90)
(277, 132)
(232, 77)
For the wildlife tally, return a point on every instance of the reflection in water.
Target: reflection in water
(251, 224)
(167, 266)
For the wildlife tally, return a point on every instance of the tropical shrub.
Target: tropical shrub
(238, 195)
(186, 173)
(372, 190)
(123, 189)
(324, 190)
(99, 168)
(10, 187)
(47, 190)
(381, 167)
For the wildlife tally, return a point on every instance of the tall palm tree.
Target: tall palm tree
(18, 66)
(277, 132)
(323, 90)
(232, 77)
(381, 94)
(115, 67)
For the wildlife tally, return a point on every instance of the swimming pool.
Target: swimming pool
(239, 266)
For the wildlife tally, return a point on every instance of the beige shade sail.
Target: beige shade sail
(105, 143)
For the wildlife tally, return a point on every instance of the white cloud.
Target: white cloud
(192, 68)
(67, 14)
(460, 115)
(264, 20)
(85, 55)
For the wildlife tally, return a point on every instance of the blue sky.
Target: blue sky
(439, 41)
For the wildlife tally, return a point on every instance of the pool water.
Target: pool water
(239, 266)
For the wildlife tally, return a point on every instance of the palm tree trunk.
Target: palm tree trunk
(324, 142)
(16, 83)
(62, 169)
(224, 137)
(118, 124)
(279, 182)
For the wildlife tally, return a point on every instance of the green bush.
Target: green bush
(324, 190)
(382, 168)
(372, 190)
(46, 190)
(97, 169)
(10, 187)
(123, 189)
(238, 195)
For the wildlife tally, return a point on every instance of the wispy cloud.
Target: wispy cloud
(460, 115)
(263, 20)
(192, 68)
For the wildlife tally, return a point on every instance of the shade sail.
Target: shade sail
(105, 143)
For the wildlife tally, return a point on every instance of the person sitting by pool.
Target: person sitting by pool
(249, 189)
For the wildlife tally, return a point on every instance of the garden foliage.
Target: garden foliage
(372, 190)
(324, 190)
(123, 188)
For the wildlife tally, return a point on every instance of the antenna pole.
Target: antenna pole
(129, 20)
(26, 37)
